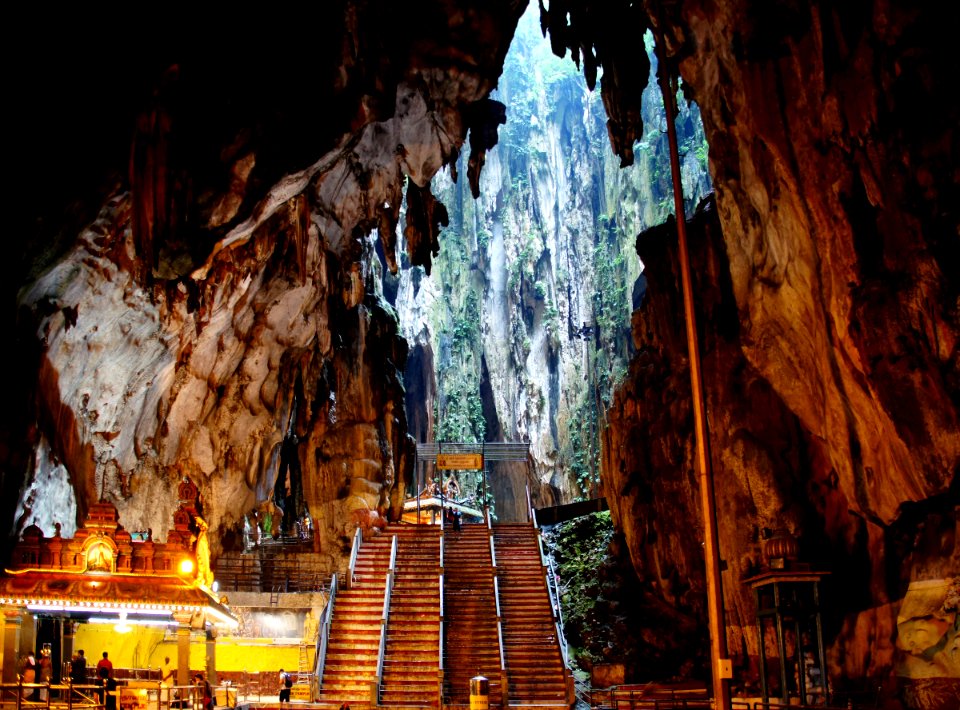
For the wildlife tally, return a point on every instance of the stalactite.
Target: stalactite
(425, 216)
(608, 36)
(301, 220)
(150, 179)
(482, 117)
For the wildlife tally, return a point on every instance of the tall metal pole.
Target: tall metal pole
(711, 548)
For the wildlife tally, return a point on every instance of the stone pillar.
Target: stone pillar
(10, 650)
(183, 647)
(212, 656)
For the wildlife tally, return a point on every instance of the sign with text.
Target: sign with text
(300, 691)
(461, 462)
(134, 698)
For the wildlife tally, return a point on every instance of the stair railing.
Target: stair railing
(440, 672)
(550, 575)
(354, 551)
(504, 681)
(531, 513)
(385, 615)
(323, 638)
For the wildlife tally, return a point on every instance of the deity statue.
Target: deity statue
(204, 573)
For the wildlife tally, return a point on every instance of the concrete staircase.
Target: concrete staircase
(535, 672)
(471, 646)
(411, 660)
(535, 667)
(354, 643)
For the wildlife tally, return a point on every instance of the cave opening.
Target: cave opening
(523, 327)
(527, 309)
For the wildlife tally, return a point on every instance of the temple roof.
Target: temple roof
(81, 594)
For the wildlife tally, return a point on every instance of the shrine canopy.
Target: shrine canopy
(106, 574)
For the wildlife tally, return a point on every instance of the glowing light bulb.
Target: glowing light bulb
(123, 627)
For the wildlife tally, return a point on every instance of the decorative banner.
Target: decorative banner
(460, 462)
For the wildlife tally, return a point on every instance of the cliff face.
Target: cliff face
(526, 307)
(830, 321)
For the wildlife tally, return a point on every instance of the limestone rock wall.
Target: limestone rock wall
(525, 310)
(223, 295)
(832, 362)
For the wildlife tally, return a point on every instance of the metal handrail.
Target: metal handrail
(563, 643)
(774, 705)
(19, 701)
(354, 551)
(645, 698)
(503, 659)
(550, 577)
(442, 629)
(583, 692)
(440, 669)
(326, 618)
(441, 596)
(504, 679)
(531, 513)
(393, 553)
(493, 554)
(385, 615)
(496, 593)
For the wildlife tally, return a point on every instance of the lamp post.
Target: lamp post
(720, 664)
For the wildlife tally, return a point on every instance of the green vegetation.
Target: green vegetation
(584, 462)
(577, 294)
(466, 323)
(462, 417)
(579, 547)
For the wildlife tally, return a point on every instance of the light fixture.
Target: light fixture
(186, 566)
(122, 627)
(130, 622)
(87, 608)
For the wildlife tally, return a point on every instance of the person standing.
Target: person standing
(111, 687)
(286, 682)
(167, 673)
(104, 673)
(78, 669)
(204, 691)
(104, 667)
(30, 676)
(45, 666)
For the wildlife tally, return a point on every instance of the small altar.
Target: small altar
(431, 508)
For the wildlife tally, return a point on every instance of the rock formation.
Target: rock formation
(525, 311)
(223, 297)
(194, 284)
(831, 362)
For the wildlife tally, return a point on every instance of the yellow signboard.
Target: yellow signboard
(460, 462)
(133, 698)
